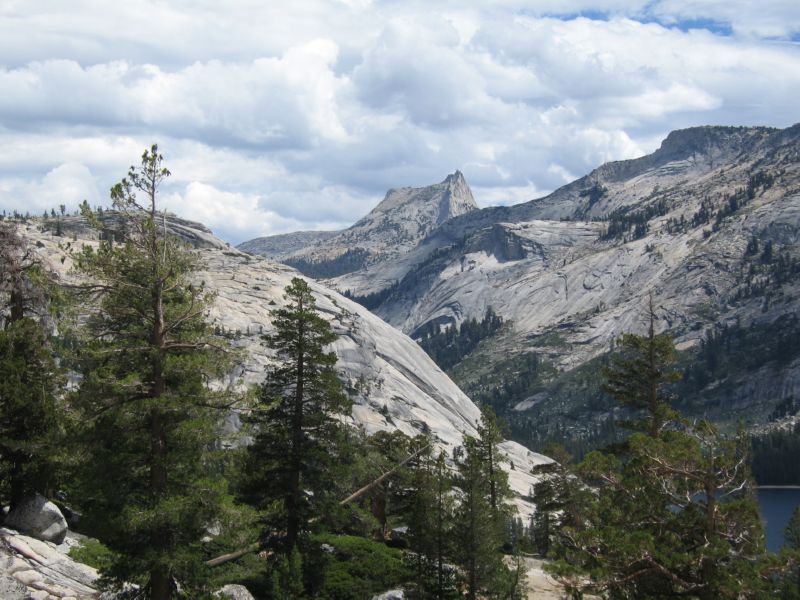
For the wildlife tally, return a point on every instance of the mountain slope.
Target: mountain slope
(690, 227)
(278, 247)
(393, 383)
(709, 225)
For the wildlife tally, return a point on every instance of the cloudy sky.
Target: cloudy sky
(277, 116)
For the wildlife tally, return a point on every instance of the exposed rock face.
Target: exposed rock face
(278, 247)
(391, 595)
(113, 226)
(39, 518)
(10, 588)
(397, 225)
(33, 569)
(567, 289)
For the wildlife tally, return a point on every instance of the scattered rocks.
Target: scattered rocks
(39, 518)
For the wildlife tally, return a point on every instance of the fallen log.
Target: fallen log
(233, 555)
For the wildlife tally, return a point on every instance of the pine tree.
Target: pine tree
(30, 380)
(482, 511)
(553, 496)
(367, 459)
(672, 513)
(150, 419)
(430, 525)
(287, 577)
(297, 417)
(639, 375)
(489, 436)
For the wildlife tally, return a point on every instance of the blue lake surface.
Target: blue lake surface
(777, 505)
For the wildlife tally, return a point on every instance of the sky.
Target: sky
(281, 116)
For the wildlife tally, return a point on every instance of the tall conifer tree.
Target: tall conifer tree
(151, 419)
(482, 512)
(430, 531)
(671, 512)
(297, 417)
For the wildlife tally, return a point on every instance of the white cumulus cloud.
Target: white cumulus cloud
(279, 116)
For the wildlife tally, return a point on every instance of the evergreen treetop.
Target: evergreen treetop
(640, 374)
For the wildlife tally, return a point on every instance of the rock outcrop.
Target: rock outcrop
(279, 247)
(39, 518)
(32, 569)
(391, 595)
(394, 227)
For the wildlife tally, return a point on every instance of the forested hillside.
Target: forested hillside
(125, 403)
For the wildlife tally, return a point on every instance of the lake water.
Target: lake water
(777, 505)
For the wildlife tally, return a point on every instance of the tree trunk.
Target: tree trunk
(492, 478)
(472, 580)
(17, 307)
(160, 584)
(439, 537)
(707, 566)
(296, 459)
(160, 580)
(378, 510)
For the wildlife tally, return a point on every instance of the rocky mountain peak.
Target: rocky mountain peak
(452, 197)
(404, 218)
(683, 143)
(459, 199)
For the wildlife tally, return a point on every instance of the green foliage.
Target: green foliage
(511, 380)
(482, 513)
(448, 347)
(297, 444)
(639, 376)
(387, 502)
(593, 194)
(671, 513)
(764, 273)
(24, 284)
(790, 589)
(623, 219)
(775, 455)
(675, 515)
(728, 350)
(94, 553)
(375, 299)
(553, 497)
(148, 486)
(356, 568)
(430, 521)
(792, 531)
(31, 415)
(351, 260)
(287, 577)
